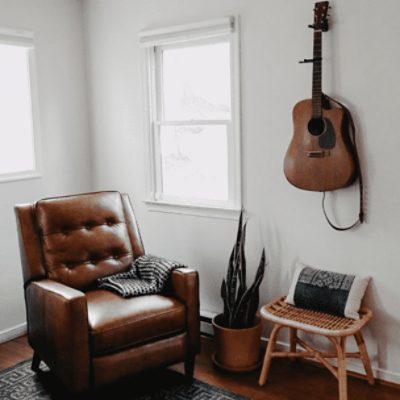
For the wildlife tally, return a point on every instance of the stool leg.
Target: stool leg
(340, 344)
(268, 354)
(293, 342)
(364, 357)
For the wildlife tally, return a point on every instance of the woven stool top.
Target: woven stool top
(313, 321)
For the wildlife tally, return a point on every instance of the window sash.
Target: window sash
(158, 68)
(158, 193)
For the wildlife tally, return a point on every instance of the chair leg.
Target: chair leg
(364, 357)
(268, 354)
(340, 344)
(35, 362)
(293, 342)
(189, 367)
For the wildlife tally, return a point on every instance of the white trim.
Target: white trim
(379, 373)
(25, 39)
(16, 37)
(12, 333)
(148, 90)
(208, 314)
(180, 33)
(20, 176)
(153, 121)
(192, 209)
(235, 183)
(35, 114)
(206, 327)
(194, 122)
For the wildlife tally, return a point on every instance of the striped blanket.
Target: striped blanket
(147, 275)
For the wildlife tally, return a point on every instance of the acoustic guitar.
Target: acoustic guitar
(320, 156)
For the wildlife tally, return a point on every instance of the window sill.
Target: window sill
(193, 210)
(20, 176)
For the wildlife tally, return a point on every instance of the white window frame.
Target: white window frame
(25, 39)
(153, 42)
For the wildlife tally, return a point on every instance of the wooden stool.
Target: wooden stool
(335, 328)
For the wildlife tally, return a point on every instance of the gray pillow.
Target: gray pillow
(326, 291)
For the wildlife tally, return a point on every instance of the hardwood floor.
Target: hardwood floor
(287, 381)
(14, 351)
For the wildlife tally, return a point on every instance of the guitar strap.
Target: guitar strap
(352, 136)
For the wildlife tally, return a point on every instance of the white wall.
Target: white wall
(361, 67)
(57, 25)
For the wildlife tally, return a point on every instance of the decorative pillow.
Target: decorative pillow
(326, 291)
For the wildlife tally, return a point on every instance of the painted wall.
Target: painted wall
(57, 25)
(361, 67)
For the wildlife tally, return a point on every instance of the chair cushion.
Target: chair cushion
(84, 237)
(116, 323)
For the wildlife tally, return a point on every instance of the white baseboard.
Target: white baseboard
(352, 365)
(206, 328)
(12, 333)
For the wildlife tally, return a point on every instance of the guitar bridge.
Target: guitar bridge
(318, 153)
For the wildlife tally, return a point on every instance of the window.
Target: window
(193, 115)
(18, 144)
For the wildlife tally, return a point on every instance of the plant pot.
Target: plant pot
(237, 350)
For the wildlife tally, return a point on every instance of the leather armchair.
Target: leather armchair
(89, 337)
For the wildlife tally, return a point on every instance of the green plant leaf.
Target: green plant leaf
(253, 304)
(240, 309)
(241, 303)
(242, 270)
(226, 311)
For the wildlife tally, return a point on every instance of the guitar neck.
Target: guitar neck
(317, 76)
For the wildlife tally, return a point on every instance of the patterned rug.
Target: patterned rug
(21, 383)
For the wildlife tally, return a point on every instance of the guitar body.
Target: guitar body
(320, 156)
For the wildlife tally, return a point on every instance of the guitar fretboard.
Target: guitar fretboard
(317, 76)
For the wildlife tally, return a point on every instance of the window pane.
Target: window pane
(196, 82)
(195, 161)
(16, 133)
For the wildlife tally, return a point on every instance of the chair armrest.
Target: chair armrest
(58, 330)
(185, 287)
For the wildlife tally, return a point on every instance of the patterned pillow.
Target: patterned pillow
(326, 291)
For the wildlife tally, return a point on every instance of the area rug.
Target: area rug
(21, 383)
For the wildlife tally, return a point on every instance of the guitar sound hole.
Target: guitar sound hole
(316, 126)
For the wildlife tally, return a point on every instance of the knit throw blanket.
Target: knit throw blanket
(147, 275)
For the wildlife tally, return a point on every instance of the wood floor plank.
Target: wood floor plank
(14, 351)
(286, 381)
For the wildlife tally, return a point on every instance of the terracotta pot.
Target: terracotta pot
(237, 350)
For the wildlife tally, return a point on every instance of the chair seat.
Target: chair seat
(116, 323)
(312, 321)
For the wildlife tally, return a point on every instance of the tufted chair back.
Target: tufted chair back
(82, 237)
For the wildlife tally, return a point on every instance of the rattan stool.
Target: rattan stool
(335, 328)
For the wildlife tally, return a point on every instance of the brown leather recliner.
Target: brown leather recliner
(90, 337)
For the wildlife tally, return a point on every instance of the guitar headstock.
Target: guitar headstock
(321, 16)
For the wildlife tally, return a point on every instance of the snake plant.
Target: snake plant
(241, 302)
